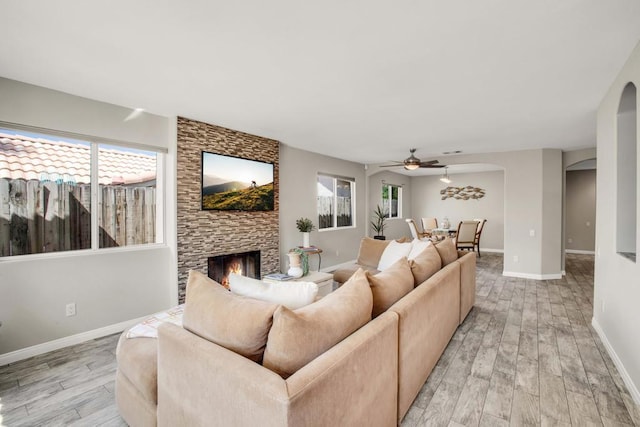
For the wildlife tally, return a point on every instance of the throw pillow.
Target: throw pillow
(237, 323)
(392, 253)
(417, 246)
(297, 337)
(447, 251)
(371, 251)
(290, 294)
(390, 285)
(426, 264)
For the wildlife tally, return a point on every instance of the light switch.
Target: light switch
(588, 224)
(532, 233)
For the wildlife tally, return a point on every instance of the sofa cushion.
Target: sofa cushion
(392, 253)
(237, 323)
(417, 246)
(290, 294)
(390, 285)
(447, 250)
(426, 264)
(371, 251)
(297, 337)
(138, 363)
(343, 274)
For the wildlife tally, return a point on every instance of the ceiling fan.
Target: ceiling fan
(412, 162)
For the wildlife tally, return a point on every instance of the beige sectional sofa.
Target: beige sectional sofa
(369, 376)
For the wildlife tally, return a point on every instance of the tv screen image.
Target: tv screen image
(234, 183)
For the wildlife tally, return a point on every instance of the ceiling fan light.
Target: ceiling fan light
(411, 166)
(445, 177)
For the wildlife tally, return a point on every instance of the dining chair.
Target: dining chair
(429, 224)
(466, 236)
(415, 233)
(481, 222)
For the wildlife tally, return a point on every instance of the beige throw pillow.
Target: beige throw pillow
(237, 323)
(297, 337)
(371, 251)
(447, 251)
(425, 265)
(390, 285)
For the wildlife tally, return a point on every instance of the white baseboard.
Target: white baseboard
(633, 390)
(333, 268)
(497, 251)
(532, 276)
(578, 251)
(25, 353)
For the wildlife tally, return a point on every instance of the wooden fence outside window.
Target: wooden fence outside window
(38, 217)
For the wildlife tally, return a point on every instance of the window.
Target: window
(336, 202)
(53, 192)
(392, 200)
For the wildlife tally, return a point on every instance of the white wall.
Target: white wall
(426, 201)
(108, 286)
(617, 285)
(298, 190)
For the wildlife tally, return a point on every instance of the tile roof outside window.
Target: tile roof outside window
(29, 158)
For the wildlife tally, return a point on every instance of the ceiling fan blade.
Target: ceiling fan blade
(390, 166)
(423, 165)
(429, 162)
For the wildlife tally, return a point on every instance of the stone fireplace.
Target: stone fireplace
(244, 264)
(205, 233)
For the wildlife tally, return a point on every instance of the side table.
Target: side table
(313, 250)
(323, 280)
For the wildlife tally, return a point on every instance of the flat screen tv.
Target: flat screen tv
(236, 184)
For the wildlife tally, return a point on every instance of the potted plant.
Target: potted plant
(378, 223)
(305, 226)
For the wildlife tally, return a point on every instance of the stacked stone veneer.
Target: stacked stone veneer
(202, 233)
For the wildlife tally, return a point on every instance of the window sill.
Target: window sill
(81, 253)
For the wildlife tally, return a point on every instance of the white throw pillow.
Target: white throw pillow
(292, 295)
(417, 246)
(392, 253)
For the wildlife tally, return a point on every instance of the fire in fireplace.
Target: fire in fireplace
(244, 263)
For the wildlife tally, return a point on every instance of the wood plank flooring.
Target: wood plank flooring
(526, 355)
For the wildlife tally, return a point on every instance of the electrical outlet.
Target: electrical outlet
(515, 258)
(570, 240)
(532, 233)
(588, 224)
(71, 309)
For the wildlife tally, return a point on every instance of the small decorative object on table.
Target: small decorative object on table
(305, 226)
(445, 223)
(298, 263)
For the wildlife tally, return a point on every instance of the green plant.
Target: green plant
(305, 225)
(378, 223)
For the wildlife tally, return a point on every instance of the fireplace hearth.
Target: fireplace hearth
(243, 263)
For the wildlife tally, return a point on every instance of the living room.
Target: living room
(113, 288)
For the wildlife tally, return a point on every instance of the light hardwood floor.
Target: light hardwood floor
(526, 355)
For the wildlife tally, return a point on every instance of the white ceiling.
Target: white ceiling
(359, 80)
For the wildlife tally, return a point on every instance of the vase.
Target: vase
(305, 240)
(295, 267)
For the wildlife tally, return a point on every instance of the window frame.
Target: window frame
(95, 142)
(390, 194)
(335, 179)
